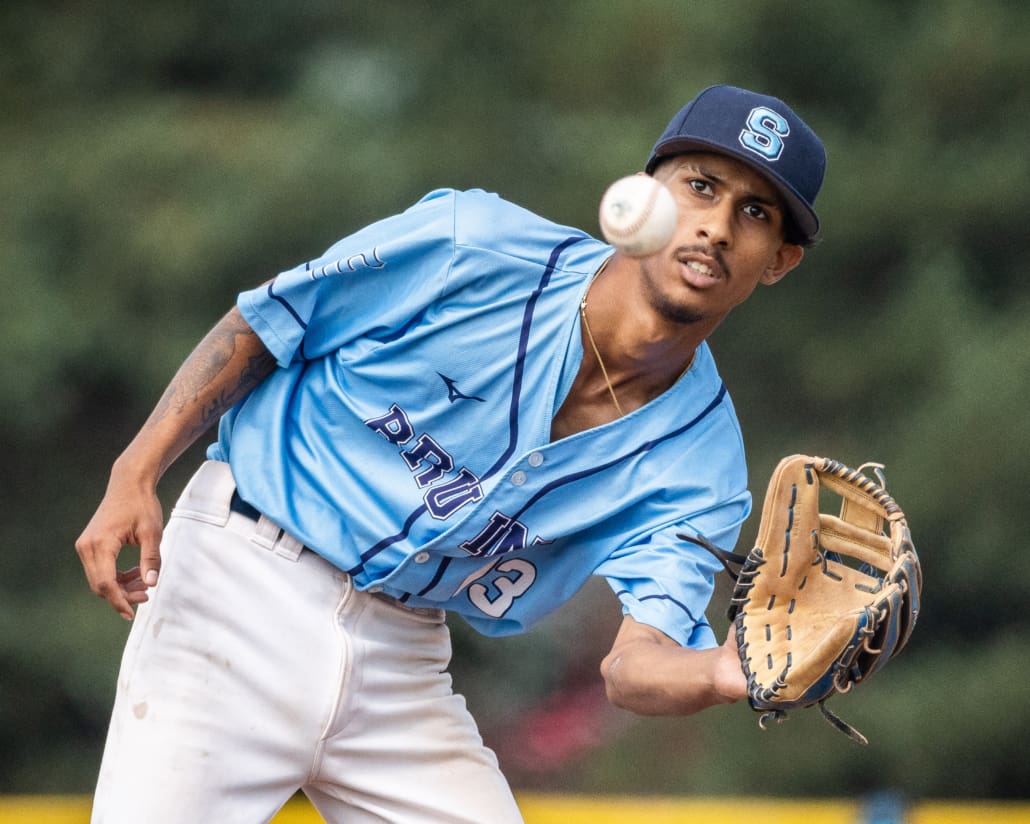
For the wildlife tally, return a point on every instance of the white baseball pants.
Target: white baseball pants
(257, 669)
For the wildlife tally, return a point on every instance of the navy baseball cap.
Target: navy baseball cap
(763, 132)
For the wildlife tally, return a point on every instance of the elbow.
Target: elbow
(627, 692)
(611, 687)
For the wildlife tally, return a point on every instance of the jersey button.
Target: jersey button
(374, 590)
(421, 558)
(518, 478)
(535, 459)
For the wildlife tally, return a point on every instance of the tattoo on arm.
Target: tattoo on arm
(193, 381)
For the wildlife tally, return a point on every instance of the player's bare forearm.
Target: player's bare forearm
(648, 673)
(229, 362)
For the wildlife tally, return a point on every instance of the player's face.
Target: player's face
(729, 238)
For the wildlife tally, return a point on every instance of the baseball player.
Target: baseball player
(464, 408)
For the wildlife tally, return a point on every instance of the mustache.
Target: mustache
(707, 251)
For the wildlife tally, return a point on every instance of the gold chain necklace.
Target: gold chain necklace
(593, 343)
(597, 353)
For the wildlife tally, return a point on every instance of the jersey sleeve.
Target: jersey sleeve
(667, 583)
(373, 282)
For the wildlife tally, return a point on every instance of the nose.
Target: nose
(716, 225)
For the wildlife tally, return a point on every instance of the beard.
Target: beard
(662, 301)
(663, 304)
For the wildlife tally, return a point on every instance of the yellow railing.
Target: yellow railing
(563, 809)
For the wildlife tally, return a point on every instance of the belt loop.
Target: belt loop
(269, 535)
(266, 533)
(288, 547)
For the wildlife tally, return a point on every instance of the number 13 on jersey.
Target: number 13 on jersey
(509, 579)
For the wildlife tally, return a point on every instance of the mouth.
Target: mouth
(701, 271)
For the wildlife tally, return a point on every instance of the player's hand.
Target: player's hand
(122, 518)
(729, 678)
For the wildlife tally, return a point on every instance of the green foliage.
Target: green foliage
(158, 158)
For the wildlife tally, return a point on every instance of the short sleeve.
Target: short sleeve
(667, 582)
(373, 283)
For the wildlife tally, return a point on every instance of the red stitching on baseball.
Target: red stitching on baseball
(644, 215)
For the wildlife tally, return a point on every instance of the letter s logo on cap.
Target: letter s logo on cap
(764, 133)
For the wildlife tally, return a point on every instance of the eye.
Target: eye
(756, 211)
(700, 186)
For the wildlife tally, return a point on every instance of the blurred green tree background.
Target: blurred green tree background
(159, 157)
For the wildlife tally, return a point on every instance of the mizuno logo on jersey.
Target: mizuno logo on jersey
(455, 394)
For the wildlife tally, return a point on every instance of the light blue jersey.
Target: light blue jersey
(406, 436)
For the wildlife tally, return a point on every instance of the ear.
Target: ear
(787, 257)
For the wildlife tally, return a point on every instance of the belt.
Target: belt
(241, 507)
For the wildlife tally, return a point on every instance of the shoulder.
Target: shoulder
(485, 220)
(707, 432)
(726, 414)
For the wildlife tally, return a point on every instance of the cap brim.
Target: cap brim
(800, 212)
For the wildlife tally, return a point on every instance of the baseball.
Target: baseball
(638, 215)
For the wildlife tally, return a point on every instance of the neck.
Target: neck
(644, 352)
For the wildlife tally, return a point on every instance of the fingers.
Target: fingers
(126, 515)
(122, 590)
(131, 582)
(131, 579)
(98, 557)
(149, 556)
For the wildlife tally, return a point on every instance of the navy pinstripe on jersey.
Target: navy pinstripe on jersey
(513, 417)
